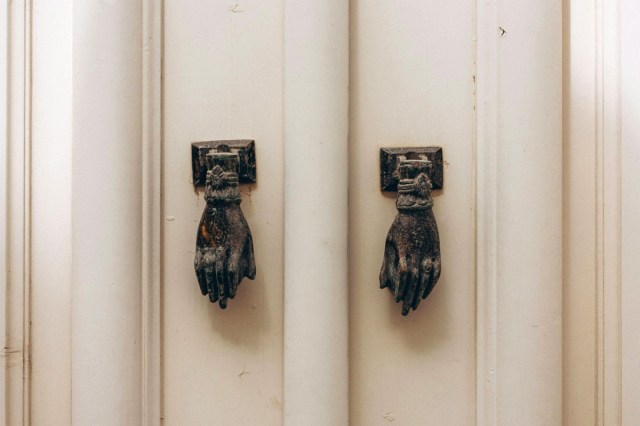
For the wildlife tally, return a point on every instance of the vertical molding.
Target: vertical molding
(15, 168)
(608, 309)
(580, 215)
(519, 202)
(629, 324)
(4, 201)
(316, 192)
(106, 317)
(151, 211)
(51, 120)
(486, 133)
(592, 387)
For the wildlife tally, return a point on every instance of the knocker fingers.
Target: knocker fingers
(433, 276)
(202, 281)
(437, 267)
(388, 270)
(251, 264)
(212, 286)
(232, 274)
(221, 280)
(412, 284)
(384, 275)
(402, 279)
(425, 277)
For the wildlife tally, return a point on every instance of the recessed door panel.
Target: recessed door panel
(412, 85)
(222, 80)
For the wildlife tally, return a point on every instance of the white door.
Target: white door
(533, 320)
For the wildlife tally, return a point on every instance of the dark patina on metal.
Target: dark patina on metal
(224, 245)
(411, 265)
(244, 148)
(390, 159)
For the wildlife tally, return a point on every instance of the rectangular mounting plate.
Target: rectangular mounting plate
(389, 164)
(245, 148)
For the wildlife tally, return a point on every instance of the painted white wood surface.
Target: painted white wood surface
(630, 205)
(592, 215)
(16, 242)
(316, 102)
(609, 209)
(152, 212)
(4, 191)
(526, 103)
(106, 320)
(222, 79)
(51, 213)
(412, 84)
(519, 148)
(580, 227)
(520, 125)
(225, 73)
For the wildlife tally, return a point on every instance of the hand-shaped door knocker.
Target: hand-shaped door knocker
(411, 265)
(224, 246)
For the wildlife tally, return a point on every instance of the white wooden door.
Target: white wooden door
(533, 321)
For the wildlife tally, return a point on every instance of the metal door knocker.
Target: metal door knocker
(411, 265)
(224, 246)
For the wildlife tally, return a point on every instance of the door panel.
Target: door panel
(412, 76)
(222, 80)
(85, 326)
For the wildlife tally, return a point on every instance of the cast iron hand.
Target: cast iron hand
(411, 265)
(224, 246)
